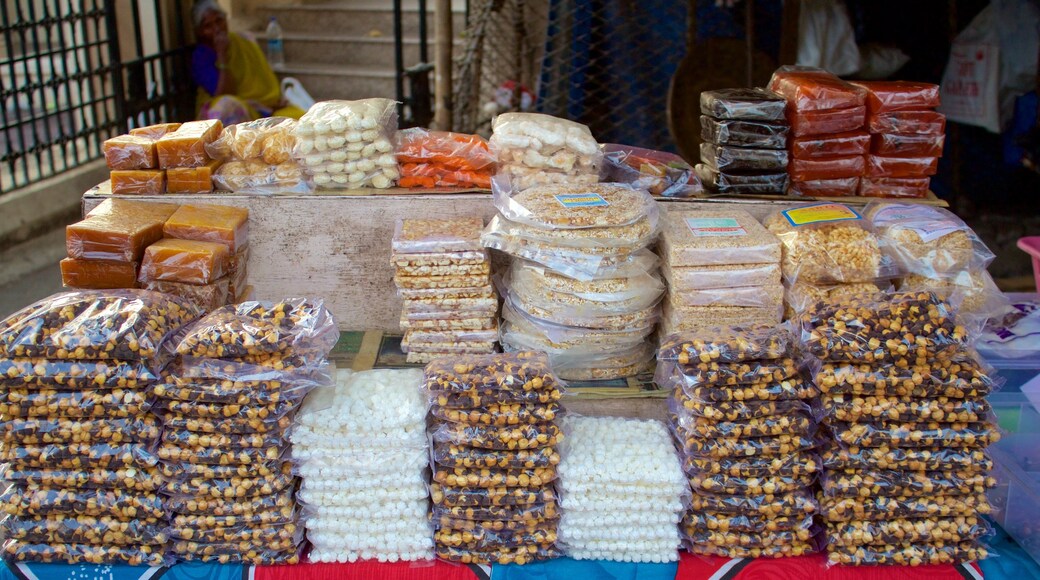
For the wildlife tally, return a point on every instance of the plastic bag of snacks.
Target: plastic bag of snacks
(257, 158)
(814, 89)
(578, 207)
(662, 174)
(441, 159)
(343, 144)
(535, 149)
(926, 240)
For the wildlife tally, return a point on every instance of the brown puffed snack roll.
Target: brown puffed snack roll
(181, 472)
(913, 326)
(463, 477)
(520, 514)
(18, 551)
(77, 456)
(258, 328)
(517, 438)
(906, 554)
(500, 414)
(125, 325)
(266, 554)
(473, 457)
(249, 412)
(86, 530)
(916, 459)
(483, 540)
(793, 424)
(235, 488)
(220, 441)
(519, 555)
(278, 515)
(894, 434)
(227, 392)
(721, 374)
(777, 551)
(473, 399)
(949, 530)
(126, 478)
(890, 483)
(728, 345)
(81, 502)
(792, 504)
(38, 431)
(887, 508)
(793, 389)
(798, 464)
(228, 426)
(201, 506)
(454, 523)
(284, 372)
(489, 496)
(720, 539)
(760, 485)
(736, 410)
(263, 535)
(852, 408)
(961, 376)
(520, 371)
(57, 374)
(752, 446)
(112, 404)
(220, 456)
(724, 522)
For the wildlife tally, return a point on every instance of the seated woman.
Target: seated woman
(235, 82)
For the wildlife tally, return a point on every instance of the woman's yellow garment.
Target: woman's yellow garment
(255, 82)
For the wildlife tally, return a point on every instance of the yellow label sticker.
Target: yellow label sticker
(819, 213)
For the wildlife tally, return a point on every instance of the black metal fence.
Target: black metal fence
(67, 84)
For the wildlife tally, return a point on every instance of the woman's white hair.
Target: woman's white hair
(204, 7)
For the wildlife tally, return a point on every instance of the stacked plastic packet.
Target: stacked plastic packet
(722, 268)
(228, 403)
(830, 251)
(361, 450)
(741, 409)
(827, 142)
(441, 159)
(444, 276)
(905, 471)
(937, 251)
(495, 457)
(622, 490)
(534, 149)
(744, 134)
(257, 158)
(586, 289)
(348, 144)
(906, 138)
(78, 437)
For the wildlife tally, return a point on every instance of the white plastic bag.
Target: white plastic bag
(295, 94)
(826, 38)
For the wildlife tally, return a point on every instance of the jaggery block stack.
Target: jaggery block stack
(744, 134)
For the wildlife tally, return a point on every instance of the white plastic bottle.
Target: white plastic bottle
(275, 48)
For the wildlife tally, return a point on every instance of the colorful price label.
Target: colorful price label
(573, 200)
(709, 227)
(820, 213)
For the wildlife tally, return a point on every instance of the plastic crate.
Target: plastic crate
(1012, 362)
(1016, 498)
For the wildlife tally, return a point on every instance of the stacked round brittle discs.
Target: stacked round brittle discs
(905, 472)
(495, 457)
(444, 276)
(228, 402)
(621, 489)
(361, 449)
(76, 427)
(741, 410)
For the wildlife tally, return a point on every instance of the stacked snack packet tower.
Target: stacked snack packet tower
(906, 138)
(133, 162)
(722, 268)
(444, 276)
(361, 450)
(905, 471)
(348, 144)
(585, 289)
(937, 251)
(741, 408)
(78, 434)
(827, 141)
(744, 134)
(228, 404)
(830, 250)
(105, 247)
(622, 490)
(495, 457)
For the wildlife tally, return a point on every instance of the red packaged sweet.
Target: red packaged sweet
(884, 166)
(887, 96)
(814, 89)
(834, 168)
(908, 123)
(827, 122)
(912, 187)
(843, 187)
(824, 146)
(896, 145)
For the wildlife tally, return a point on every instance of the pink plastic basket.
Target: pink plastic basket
(1031, 246)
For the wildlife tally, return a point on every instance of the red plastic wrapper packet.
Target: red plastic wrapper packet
(836, 168)
(826, 146)
(804, 123)
(880, 166)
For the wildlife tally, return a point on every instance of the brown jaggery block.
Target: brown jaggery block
(191, 179)
(155, 131)
(118, 229)
(138, 181)
(186, 147)
(98, 274)
(207, 297)
(226, 225)
(130, 152)
(188, 261)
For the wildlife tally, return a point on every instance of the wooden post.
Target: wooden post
(442, 109)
